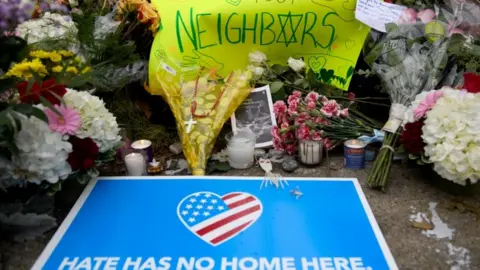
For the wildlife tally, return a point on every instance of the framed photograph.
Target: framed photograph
(256, 113)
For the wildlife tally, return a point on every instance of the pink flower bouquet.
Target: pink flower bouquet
(316, 118)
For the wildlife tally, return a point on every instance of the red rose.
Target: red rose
(84, 153)
(412, 137)
(471, 82)
(48, 90)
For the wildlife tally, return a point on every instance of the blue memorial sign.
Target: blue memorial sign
(226, 223)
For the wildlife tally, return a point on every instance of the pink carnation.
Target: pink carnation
(279, 107)
(427, 104)
(66, 122)
(303, 132)
(312, 97)
(320, 120)
(276, 133)
(330, 108)
(293, 106)
(278, 144)
(300, 119)
(311, 105)
(327, 143)
(290, 148)
(323, 100)
(316, 136)
(344, 112)
(297, 94)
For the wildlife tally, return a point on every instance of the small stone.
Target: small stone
(259, 153)
(276, 153)
(176, 148)
(290, 165)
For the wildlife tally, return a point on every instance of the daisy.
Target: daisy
(67, 122)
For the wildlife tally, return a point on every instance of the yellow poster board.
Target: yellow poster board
(221, 33)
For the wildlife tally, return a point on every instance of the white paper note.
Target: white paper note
(376, 13)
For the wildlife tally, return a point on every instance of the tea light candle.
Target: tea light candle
(144, 145)
(135, 163)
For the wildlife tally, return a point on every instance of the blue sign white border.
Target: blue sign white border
(52, 244)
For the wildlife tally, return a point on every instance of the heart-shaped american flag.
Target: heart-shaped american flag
(216, 219)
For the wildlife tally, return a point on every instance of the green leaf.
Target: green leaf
(49, 105)
(29, 110)
(275, 86)
(279, 69)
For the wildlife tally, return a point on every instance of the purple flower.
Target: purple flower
(12, 13)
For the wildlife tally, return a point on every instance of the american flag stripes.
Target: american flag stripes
(216, 219)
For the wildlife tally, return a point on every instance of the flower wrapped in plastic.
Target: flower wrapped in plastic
(201, 105)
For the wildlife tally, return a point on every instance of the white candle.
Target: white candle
(144, 145)
(241, 151)
(310, 152)
(136, 164)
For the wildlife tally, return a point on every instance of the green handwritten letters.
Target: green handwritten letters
(220, 34)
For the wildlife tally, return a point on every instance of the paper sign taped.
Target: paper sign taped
(221, 33)
(376, 13)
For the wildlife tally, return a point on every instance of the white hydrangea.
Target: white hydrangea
(42, 153)
(451, 135)
(97, 122)
(49, 26)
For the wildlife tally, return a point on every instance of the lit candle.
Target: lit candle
(354, 154)
(145, 146)
(135, 163)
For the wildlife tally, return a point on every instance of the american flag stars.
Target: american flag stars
(201, 206)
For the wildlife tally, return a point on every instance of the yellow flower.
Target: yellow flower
(78, 59)
(146, 13)
(40, 54)
(125, 6)
(65, 53)
(86, 69)
(57, 69)
(55, 57)
(24, 69)
(73, 70)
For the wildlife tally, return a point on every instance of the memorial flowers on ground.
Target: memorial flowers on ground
(441, 128)
(315, 117)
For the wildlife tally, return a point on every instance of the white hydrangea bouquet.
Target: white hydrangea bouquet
(442, 126)
(76, 135)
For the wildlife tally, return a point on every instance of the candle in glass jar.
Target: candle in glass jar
(311, 152)
(240, 149)
(144, 146)
(135, 164)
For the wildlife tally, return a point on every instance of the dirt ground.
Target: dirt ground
(408, 194)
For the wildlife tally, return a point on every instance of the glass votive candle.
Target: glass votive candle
(143, 146)
(240, 149)
(311, 152)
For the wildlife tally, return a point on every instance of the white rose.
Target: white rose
(257, 72)
(257, 58)
(296, 64)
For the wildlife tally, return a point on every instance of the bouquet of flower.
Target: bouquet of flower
(441, 127)
(316, 118)
(412, 57)
(73, 135)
